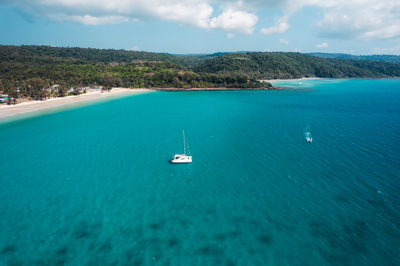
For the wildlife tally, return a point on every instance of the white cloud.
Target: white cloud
(354, 19)
(322, 45)
(230, 16)
(281, 25)
(284, 41)
(230, 35)
(90, 20)
(235, 21)
(192, 12)
(360, 19)
(363, 19)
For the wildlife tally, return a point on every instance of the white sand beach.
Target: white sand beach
(35, 107)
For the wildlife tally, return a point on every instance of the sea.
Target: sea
(93, 185)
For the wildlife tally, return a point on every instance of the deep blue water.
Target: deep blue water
(93, 186)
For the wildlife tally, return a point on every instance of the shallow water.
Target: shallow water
(93, 186)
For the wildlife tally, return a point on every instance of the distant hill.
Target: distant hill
(273, 65)
(381, 58)
(92, 55)
(21, 65)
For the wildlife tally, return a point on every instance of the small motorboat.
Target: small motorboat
(308, 137)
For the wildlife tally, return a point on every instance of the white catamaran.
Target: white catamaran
(182, 158)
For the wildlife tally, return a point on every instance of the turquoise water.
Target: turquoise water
(93, 186)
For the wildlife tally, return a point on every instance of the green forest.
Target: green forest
(383, 57)
(279, 65)
(30, 70)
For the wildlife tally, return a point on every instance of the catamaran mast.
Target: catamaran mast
(184, 145)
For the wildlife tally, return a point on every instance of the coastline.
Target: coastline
(36, 107)
(32, 108)
(216, 89)
(275, 80)
(316, 78)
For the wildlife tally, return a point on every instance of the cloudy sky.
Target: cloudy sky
(206, 26)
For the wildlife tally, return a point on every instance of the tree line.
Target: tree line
(31, 71)
(35, 78)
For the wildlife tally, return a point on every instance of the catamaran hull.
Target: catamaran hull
(181, 158)
(172, 161)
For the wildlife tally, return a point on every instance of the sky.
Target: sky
(205, 26)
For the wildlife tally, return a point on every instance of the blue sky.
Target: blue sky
(206, 26)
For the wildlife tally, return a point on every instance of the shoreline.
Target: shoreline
(299, 79)
(31, 108)
(215, 89)
(37, 107)
(316, 78)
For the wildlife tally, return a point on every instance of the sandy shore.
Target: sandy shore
(8, 112)
(31, 108)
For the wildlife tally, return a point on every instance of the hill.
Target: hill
(28, 67)
(92, 55)
(279, 65)
(381, 58)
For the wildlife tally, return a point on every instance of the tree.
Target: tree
(108, 80)
(76, 90)
(36, 88)
(12, 95)
(61, 90)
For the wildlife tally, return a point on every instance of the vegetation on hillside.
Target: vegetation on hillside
(26, 53)
(382, 58)
(30, 71)
(280, 65)
(27, 68)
